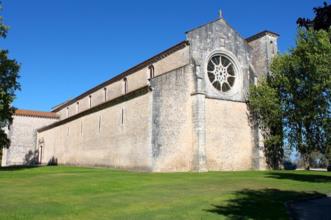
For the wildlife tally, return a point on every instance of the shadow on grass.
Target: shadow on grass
(260, 204)
(310, 177)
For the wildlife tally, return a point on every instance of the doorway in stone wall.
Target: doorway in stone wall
(40, 150)
(40, 154)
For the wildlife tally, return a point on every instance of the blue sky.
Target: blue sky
(66, 47)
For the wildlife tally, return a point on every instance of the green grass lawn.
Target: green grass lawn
(100, 193)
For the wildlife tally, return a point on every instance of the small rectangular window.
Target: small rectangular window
(90, 100)
(77, 107)
(105, 94)
(125, 85)
(67, 112)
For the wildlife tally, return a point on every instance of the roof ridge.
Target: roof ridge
(34, 113)
(260, 34)
(130, 71)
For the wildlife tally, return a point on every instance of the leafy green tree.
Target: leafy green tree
(322, 20)
(9, 69)
(299, 91)
(293, 104)
(265, 105)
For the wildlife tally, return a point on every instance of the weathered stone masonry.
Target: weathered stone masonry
(182, 110)
(23, 136)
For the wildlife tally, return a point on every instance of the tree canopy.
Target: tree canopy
(292, 104)
(9, 74)
(322, 20)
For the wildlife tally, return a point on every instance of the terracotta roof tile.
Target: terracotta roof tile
(30, 113)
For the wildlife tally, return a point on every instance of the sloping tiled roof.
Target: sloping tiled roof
(261, 34)
(39, 114)
(132, 70)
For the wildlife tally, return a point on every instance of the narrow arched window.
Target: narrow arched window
(90, 100)
(105, 93)
(67, 112)
(77, 107)
(125, 85)
(40, 154)
(151, 71)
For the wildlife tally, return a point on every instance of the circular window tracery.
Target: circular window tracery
(221, 72)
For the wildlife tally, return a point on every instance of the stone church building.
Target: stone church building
(182, 110)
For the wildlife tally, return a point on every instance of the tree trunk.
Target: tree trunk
(306, 162)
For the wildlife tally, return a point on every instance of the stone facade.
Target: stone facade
(172, 122)
(116, 135)
(23, 136)
(182, 110)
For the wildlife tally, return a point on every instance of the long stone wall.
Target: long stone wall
(117, 136)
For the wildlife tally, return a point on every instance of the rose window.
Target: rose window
(221, 72)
